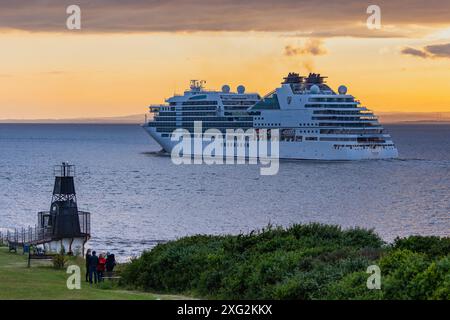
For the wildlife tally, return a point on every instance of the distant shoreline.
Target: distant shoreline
(72, 123)
(130, 119)
(12, 122)
(137, 119)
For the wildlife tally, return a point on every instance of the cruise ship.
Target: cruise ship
(314, 122)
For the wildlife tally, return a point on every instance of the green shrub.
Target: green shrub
(362, 238)
(300, 286)
(434, 282)
(311, 261)
(59, 261)
(399, 270)
(431, 246)
(352, 287)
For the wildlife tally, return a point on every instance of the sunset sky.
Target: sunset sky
(129, 54)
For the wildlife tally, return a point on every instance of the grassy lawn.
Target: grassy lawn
(42, 281)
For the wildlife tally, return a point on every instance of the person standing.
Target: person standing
(110, 262)
(101, 267)
(93, 263)
(88, 257)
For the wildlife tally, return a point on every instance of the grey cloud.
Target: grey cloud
(439, 50)
(414, 52)
(430, 51)
(338, 17)
(312, 47)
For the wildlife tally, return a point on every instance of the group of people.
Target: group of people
(97, 265)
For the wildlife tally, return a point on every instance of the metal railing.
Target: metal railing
(40, 234)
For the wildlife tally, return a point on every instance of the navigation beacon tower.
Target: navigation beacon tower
(65, 227)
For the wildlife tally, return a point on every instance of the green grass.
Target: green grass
(42, 281)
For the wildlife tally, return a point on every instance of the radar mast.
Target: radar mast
(197, 85)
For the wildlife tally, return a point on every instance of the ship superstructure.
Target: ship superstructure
(314, 121)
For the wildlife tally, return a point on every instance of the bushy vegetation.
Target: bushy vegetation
(59, 261)
(302, 262)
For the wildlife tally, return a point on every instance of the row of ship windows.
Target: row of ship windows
(172, 109)
(166, 109)
(279, 124)
(205, 118)
(331, 100)
(187, 113)
(236, 108)
(308, 131)
(238, 97)
(331, 132)
(268, 124)
(359, 118)
(213, 113)
(364, 146)
(297, 139)
(199, 103)
(300, 139)
(347, 124)
(184, 108)
(358, 112)
(238, 103)
(168, 128)
(211, 125)
(350, 131)
(343, 106)
(197, 108)
(358, 124)
(241, 144)
(184, 114)
(213, 103)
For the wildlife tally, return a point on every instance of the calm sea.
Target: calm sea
(138, 196)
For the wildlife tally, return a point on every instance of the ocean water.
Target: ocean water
(138, 197)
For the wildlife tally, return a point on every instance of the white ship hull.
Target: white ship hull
(305, 150)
